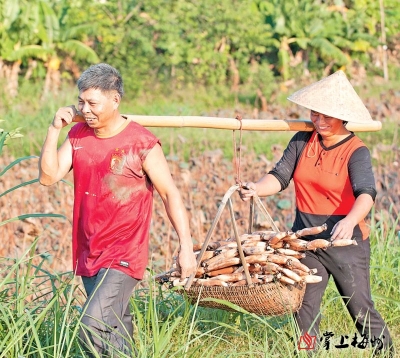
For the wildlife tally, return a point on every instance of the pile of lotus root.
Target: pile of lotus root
(270, 256)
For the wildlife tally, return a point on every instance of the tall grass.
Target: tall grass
(38, 309)
(40, 313)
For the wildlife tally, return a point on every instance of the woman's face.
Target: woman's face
(326, 126)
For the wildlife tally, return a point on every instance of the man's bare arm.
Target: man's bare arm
(156, 167)
(55, 163)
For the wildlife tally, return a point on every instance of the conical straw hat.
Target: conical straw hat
(333, 96)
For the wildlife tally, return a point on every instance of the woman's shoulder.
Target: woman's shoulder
(302, 136)
(300, 139)
(355, 142)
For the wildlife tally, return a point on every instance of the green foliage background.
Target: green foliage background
(174, 43)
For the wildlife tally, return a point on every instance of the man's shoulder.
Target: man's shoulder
(136, 125)
(78, 129)
(139, 131)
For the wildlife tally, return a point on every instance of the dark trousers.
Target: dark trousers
(106, 326)
(349, 267)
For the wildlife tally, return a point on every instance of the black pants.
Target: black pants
(107, 322)
(349, 267)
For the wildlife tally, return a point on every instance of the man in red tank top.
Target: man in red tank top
(116, 164)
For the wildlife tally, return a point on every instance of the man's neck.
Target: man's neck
(113, 126)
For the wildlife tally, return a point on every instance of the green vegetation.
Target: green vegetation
(6, 136)
(34, 119)
(32, 116)
(170, 44)
(184, 58)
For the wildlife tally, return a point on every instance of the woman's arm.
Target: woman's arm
(363, 184)
(280, 176)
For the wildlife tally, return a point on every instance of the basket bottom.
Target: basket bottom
(271, 299)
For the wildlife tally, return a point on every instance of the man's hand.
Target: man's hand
(186, 262)
(65, 116)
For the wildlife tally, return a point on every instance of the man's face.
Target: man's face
(98, 107)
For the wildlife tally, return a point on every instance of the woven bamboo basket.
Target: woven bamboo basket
(270, 299)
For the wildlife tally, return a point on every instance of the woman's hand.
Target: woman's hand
(247, 190)
(342, 230)
(345, 227)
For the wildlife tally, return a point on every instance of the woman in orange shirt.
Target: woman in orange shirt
(334, 183)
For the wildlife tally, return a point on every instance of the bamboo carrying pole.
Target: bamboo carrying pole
(247, 124)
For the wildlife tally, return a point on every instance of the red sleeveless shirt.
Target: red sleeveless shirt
(113, 200)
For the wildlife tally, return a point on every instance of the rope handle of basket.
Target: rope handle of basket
(239, 245)
(264, 210)
(221, 207)
(237, 151)
(227, 199)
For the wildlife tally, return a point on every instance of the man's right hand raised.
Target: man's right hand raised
(65, 116)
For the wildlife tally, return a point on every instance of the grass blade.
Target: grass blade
(34, 215)
(19, 186)
(15, 162)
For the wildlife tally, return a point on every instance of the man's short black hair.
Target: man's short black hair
(103, 77)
